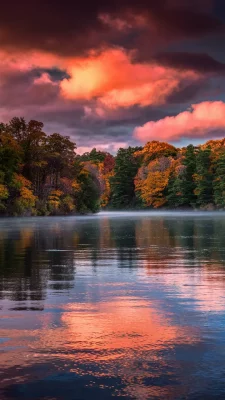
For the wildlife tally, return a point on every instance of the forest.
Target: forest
(41, 174)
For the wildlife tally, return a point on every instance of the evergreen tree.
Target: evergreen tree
(122, 183)
(173, 194)
(219, 181)
(181, 189)
(203, 178)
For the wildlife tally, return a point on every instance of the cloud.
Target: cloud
(200, 62)
(116, 80)
(72, 28)
(27, 88)
(108, 147)
(96, 70)
(200, 121)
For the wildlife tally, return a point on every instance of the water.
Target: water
(117, 305)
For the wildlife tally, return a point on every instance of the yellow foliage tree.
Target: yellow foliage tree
(105, 195)
(151, 181)
(19, 181)
(26, 199)
(54, 199)
(4, 193)
(155, 149)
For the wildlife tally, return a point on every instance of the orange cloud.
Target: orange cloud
(199, 121)
(24, 61)
(116, 80)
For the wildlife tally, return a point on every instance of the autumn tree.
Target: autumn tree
(153, 150)
(101, 164)
(42, 174)
(151, 182)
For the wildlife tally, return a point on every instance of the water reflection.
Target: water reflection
(107, 306)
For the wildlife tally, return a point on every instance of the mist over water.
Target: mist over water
(126, 305)
(166, 213)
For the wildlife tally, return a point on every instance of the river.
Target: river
(115, 305)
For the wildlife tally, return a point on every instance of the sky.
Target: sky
(115, 73)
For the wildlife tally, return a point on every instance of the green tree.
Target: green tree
(10, 154)
(203, 178)
(94, 156)
(87, 199)
(219, 180)
(181, 188)
(122, 183)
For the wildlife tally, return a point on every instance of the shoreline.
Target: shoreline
(121, 213)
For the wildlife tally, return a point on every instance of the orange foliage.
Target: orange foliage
(214, 144)
(54, 198)
(28, 197)
(105, 196)
(3, 192)
(19, 181)
(102, 171)
(152, 180)
(155, 149)
(76, 186)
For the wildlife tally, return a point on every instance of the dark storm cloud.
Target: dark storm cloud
(67, 27)
(185, 94)
(54, 73)
(89, 132)
(196, 61)
(23, 88)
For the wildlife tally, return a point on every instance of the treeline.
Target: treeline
(42, 174)
(161, 175)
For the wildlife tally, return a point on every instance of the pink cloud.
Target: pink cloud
(200, 121)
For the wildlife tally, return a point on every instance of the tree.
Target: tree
(151, 182)
(87, 192)
(10, 154)
(60, 156)
(24, 198)
(32, 140)
(181, 187)
(42, 174)
(219, 180)
(122, 183)
(94, 156)
(153, 150)
(203, 178)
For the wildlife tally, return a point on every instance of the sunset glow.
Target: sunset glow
(124, 73)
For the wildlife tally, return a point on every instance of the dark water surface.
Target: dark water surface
(126, 306)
